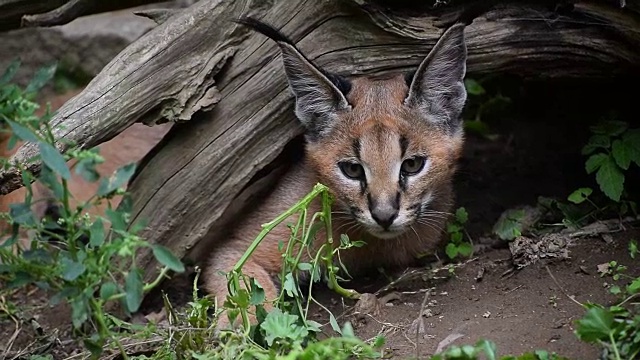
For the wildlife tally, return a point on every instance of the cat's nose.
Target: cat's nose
(384, 214)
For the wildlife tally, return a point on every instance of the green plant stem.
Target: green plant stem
(266, 228)
(333, 281)
(146, 287)
(613, 344)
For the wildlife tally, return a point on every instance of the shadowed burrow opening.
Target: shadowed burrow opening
(524, 141)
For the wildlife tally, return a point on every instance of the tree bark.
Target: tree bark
(201, 174)
(15, 14)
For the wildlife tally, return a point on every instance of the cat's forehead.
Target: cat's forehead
(370, 95)
(380, 144)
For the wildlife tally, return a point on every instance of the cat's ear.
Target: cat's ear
(437, 88)
(320, 96)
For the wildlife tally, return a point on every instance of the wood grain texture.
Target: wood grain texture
(15, 14)
(188, 187)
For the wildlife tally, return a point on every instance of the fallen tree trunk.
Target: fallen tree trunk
(198, 177)
(15, 14)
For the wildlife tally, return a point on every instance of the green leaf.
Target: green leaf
(257, 293)
(347, 330)
(509, 225)
(289, 285)
(580, 195)
(621, 154)
(314, 326)
(107, 290)
(279, 325)
(96, 233)
(634, 287)
(594, 162)
(10, 72)
(23, 133)
(631, 140)
(71, 270)
(117, 218)
(240, 300)
(21, 214)
(596, 142)
(117, 180)
(167, 258)
(41, 78)
(595, 325)
(451, 250)
(473, 87)
(611, 179)
(633, 248)
(461, 215)
(79, 311)
(94, 347)
(54, 160)
(465, 249)
(453, 228)
(488, 347)
(134, 288)
(304, 267)
(49, 179)
(334, 324)
(542, 355)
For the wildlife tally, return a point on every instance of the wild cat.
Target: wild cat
(387, 148)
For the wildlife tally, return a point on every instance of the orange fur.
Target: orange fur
(401, 251)
(387, 149)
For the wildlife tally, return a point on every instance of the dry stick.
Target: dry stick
(561, 288)
(419, 321)
(75, 9)
(58, 16)
(17, 322)
(629, 299)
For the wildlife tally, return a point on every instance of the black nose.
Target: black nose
(384, 216)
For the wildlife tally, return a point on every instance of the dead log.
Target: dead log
(15, 14)
(205, 169)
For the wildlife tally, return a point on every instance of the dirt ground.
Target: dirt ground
(536, 154)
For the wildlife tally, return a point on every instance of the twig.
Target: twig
(515, 288)
(62, 15)
(420, 322)
(562, 289)
(629, 299)
(74, 9)
(16, 332)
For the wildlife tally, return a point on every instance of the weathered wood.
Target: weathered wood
(189, 186)
(158, 79)
(186, 192)
(36, 13)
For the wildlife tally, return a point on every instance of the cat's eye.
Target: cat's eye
(412, 166)
(352, 170)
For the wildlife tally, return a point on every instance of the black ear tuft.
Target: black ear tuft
(408, 77)
(343, 84)
(264, 29)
